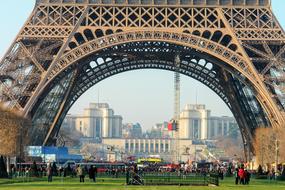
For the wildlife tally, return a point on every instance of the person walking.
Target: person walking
(91, 173)
(95, 173)
(49, 173)
(241, 174)
(127, 176)
(79, 172)
(271, 174)
(221, 173)
(237, 176)
(247, 177)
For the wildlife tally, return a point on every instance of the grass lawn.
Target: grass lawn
(119, 184)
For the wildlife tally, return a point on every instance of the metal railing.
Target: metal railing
(163, 2)
(171, 179)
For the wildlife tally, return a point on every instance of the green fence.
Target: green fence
(213, 179)
(110, 174)
(21, 177)
(172, 179)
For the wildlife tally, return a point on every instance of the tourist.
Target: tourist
(127, 175)
(247, 177)
(95, 172)
(221, 173)
(91, 173)
(80, 173)
(237, 176)
(54, 169)
(49, 172)
(116, 173)
(113, 172)
(241, 175)
(271, 174)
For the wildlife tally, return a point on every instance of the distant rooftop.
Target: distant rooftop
(98, 105)
(195, 106)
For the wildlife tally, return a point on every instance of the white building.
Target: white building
(221, 126)
(97, 121)
(163, 147)
(69, 122)
(196, 123)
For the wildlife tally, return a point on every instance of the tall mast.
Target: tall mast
(176, 107)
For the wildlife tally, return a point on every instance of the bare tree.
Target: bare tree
(71, 137)
(13, 137)
(13, 133)
(233, 148)
(267, 145)
(93, 151)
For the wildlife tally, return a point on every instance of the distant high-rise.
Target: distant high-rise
(137, 130)
(131, 130)
(163, 130)
(97, 121)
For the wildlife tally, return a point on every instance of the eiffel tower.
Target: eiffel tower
(235, 47)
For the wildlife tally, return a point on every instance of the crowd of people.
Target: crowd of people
(79, 171)
(242, 175)
(51, 169)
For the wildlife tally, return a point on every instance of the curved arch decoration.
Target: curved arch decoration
(193, 64)
(225, 54)
(233, 59)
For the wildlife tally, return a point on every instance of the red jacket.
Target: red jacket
(241, 173)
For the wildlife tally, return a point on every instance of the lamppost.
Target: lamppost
(110, 152)
(44, 152)
(195, 153)
(122, 156)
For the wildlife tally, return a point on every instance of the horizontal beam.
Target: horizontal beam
(204, 3)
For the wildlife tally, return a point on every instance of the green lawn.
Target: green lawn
(118, 184)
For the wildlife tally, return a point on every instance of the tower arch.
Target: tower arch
(64, 42)
(137, 55)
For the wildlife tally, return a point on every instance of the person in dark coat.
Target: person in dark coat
(241, 174)
(49, 172)
(247, 177)
(95, 173)
(128, 176)
(221, 174)
(237, 176)
(91, 173)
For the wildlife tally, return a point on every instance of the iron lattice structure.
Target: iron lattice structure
(235, 47)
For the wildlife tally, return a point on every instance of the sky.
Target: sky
(144, 96)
